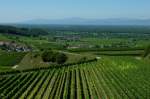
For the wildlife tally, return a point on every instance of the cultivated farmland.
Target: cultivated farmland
(108, 78)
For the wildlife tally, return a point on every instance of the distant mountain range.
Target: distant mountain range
(82, 21)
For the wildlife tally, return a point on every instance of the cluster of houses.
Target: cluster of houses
(12, 46)
(66, 38)
(80, 46)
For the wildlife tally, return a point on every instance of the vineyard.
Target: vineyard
(107, 78)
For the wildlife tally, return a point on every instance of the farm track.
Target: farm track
(97, 80)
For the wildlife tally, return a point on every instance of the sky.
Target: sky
(21, 10)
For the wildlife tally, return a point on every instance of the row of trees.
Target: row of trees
(22, 31)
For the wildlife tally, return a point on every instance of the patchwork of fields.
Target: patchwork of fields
(108, 78)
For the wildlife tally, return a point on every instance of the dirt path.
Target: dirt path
(14, 67)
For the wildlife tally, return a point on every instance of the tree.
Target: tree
(47, 56)
(51, 56)
(61, 58)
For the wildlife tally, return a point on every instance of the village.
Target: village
(13, 46)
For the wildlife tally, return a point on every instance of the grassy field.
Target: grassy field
(5, 68)
(10, 58)
(105, 41)
(108, 78)
(120, 53)
(34, 60)
(3, 37)
(30, 62)
(100, 41)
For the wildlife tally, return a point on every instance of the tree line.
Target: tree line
(22, 31)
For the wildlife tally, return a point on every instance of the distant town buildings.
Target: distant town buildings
(12, 46)
(67, 38)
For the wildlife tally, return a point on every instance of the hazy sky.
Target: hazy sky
(19, 10)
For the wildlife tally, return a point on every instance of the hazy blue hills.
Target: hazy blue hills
(82, 21)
